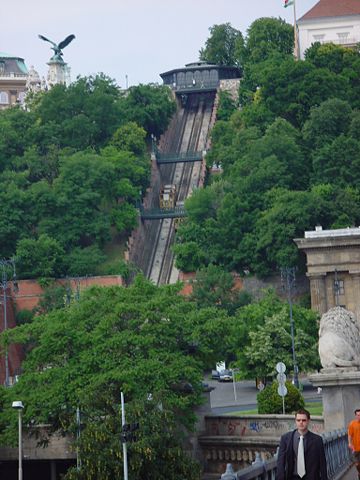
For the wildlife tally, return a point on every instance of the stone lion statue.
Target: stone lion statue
(339, 339)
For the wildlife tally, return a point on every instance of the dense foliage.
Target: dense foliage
(290, 157)
(149, 343)
(259, 336)
(220, 48)
(72, 166)
(269, 401)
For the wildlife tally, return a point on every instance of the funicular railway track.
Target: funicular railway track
(189, 136)
(179, 163)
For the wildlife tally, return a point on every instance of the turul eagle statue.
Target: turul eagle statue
(58, 47)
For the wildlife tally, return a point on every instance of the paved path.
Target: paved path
(351, 474)
(223, 400)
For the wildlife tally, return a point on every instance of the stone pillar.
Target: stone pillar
(318, 293)
(356, 293)
(340, 395)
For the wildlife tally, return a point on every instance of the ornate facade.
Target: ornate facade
(333, 268)
(330, 21)
(13, 77)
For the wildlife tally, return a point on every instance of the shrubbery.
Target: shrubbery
(269, 401)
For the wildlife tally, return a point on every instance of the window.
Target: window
(4, 98)
(2, 67)
(319, 38)
(343, 37)
(339, 288)
(21, 97)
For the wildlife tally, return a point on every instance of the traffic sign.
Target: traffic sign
(282, 390)
(281, 367)
(281, 378)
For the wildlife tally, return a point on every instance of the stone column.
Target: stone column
(340, 395)
(318, 293)
(356, 293)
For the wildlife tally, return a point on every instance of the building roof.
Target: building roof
(333, 8)
(12, 64)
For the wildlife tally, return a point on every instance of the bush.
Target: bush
(24, 316)
(269, 401)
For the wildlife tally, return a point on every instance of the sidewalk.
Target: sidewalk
(351, 475)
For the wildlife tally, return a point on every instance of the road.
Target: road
(222, 398)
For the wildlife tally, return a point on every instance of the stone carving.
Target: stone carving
(58, 47)
(339, 342)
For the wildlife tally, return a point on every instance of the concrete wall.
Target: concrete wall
(236, 440)
(59, 448)
(27, 298)
(30, 291)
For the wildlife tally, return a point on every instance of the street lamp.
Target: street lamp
(288, 283)
(18, 405)
(5, 265)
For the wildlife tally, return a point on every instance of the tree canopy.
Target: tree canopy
(289, 157)
(221, 47)
(149, 343)
(72, 167)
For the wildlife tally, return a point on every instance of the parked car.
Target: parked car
(215, 374)
(225, 376)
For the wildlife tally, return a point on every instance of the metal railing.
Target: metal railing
(338, 459)
(159, 213)
(7, 75)
(197, 86)
(178, 157)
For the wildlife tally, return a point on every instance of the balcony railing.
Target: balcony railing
(160, 213)
(340, 41)
(338, 459)
(12, 75)
(178, 157)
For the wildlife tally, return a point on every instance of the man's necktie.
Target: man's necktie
(301, 458)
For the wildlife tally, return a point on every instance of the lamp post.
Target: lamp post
(288, 283)
(78, 433)
(18, 405)
(5, 265)
(234, 371)
(123, 423)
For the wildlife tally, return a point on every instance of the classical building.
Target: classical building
(13, 77)
(330, 21)
(333, 268)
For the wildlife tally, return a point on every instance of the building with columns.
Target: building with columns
(13, 77)
(330, 21)
(333, 268)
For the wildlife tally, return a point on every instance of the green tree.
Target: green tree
(149, 343)
(292, 88)
(326, 122)
(86, 113)
(226, 106)
(213, 286)
(269, 401)
(150, 106)
(41, 257)
(338, 162)
(14, 139)
(84, 261)
(220, 47)
(130, 138)
(271, 343)
(264, 38)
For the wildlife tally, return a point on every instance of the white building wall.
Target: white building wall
(338, 30)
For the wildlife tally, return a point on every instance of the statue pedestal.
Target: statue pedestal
(340, 394)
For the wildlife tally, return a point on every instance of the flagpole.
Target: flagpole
(296, 39)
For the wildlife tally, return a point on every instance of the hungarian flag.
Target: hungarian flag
(287, 3)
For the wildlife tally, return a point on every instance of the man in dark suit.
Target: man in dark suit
(301, 453)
